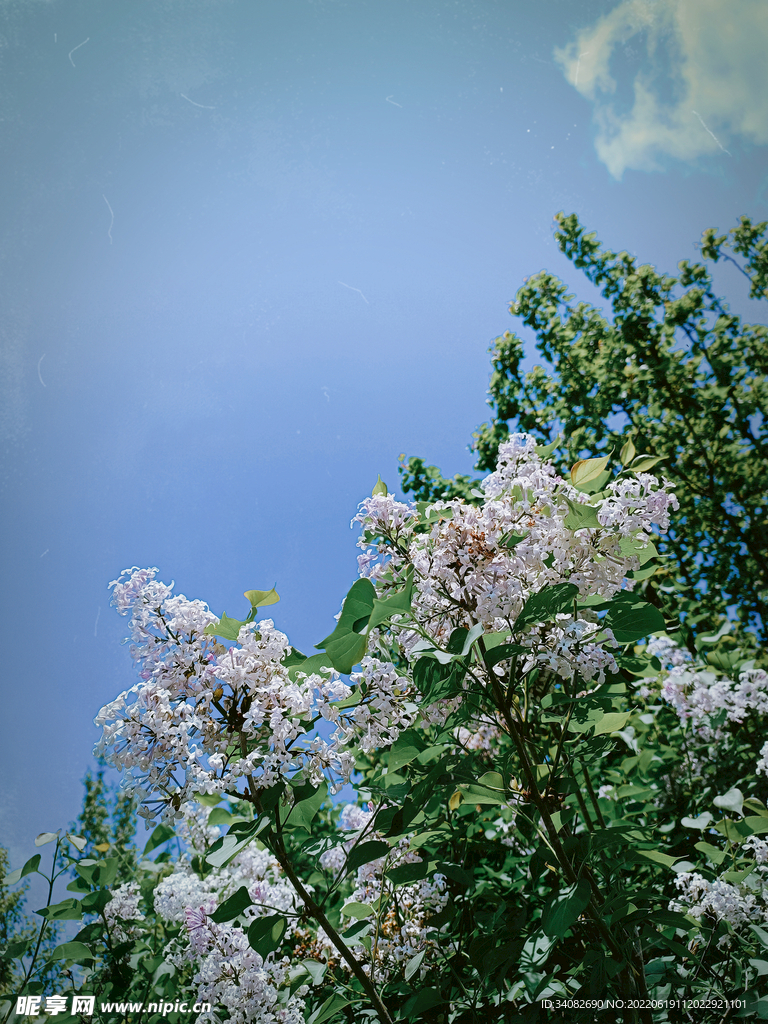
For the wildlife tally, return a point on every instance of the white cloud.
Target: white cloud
(702, 83)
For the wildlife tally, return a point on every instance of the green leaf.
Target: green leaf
(700, 821)
(461, 640)
(221, 816)
(309, 666)
(640, 546)
(346, 651)
(32, 865)
(266, 934)
(658, 857)
(329, 1009)
(345, 646)
(398, 603)
(456, 872)
(613, 721)
(565, 908)
(228, 846)
(404, 874)
(401, 757)
(98, 872)
(233, 906)
(207, 799)
(76, 951)
(644, 462)
(580, 517)
(643, 574)
(356, 609)
(159, 836)
(293, 657)
(535, 951)
(627, 452)
(16, 950)
(492, 780)
(45, 837)
(79, 842)
(546, 604)
(734, 831)
(545, 450)
(502, 652)
(261, 598)
(308, 800)
(315, 970)
(586, 470)
(476, 794)
(365, 853)
(227, 628)
(733, 801)
(94, 902)
(424, 999)
(379, 487)
(413, 965)
(631, 618)
(358, 910)
(712, 638)
(67, 910)
(510, 540)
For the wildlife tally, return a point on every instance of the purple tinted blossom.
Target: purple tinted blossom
(697, 695)
(637, 501)
(195, 918)
(466, 571)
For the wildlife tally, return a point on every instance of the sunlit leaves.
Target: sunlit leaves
(587, 470)
(261, 598)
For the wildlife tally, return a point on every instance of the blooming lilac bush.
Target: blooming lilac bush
(535, 813)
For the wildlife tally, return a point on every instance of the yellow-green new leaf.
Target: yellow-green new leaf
(611, 722)
(261, 598)
(627, 452)
(586, 470)
(645, 462)
(545, 450)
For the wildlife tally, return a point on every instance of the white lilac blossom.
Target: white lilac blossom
(225, 971)
(390, 708)
(669, 654)
(184, 892)
(483, 737)
(353, 819)
(737, 904)
(122, 911)
(733, 904)
(173, 734)
(698, 694)
(404, 930)
(229, 975)
(480, 564)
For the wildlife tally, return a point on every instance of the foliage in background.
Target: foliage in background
(673, 368)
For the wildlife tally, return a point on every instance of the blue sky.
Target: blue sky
(251, 252)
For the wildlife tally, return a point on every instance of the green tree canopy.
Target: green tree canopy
(669, 367)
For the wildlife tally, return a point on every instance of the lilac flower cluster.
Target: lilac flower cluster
(697, 694)
(205, 718)
(225, 971)
(480, 564)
